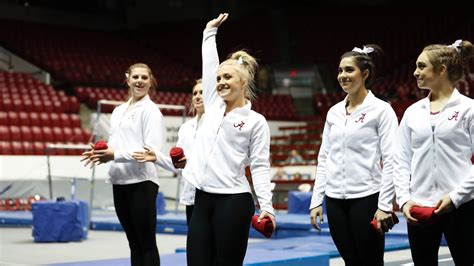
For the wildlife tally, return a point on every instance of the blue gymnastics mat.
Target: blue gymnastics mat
(288, 225)
(309, 250)
(254, 257)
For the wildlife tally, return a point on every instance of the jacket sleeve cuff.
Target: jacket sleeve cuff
(455, 198)
(315, 203)
(268, 209)
(118, 156)
(385, 207)
(402, 201)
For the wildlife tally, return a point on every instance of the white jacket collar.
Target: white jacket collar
(240, 110)
(455, 96)
(139, 102)
(367, 100)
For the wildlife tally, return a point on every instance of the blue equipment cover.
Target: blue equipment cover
(60, 221)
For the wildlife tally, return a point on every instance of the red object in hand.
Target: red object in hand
(101, 145)
(176, 153)
(373, 223)
(265, 226)
(424, 215)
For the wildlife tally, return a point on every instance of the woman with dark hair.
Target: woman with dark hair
(357, 140)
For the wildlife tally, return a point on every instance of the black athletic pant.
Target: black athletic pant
(135, 205)
(189, 213)
(219, 229)
(458, 229)
(349, 224)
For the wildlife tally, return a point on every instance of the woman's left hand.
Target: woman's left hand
(145, 156)
(215, 23)
(445, 205)
(269, 215)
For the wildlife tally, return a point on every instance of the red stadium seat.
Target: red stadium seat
(68, 134)
(37, 133)
(28, 106)
(7, 104)
(5, 148)
(78, 135)
(48, 106)
(45, 119)
(28, 148)
(55, 121)
(74, 106)
(39, 148)
(48, 134)
(38, 106)
(35, 119)
(64, 120)
(18, 105)
(17, 148)
(15, 133)
(58, 134)
(3, 118)
(75, 120)
(26, 134)
(13, 118)
(5, 133)
(24, 118)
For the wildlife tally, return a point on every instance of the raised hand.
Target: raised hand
(215, 23)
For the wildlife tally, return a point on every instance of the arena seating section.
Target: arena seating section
(92, 63)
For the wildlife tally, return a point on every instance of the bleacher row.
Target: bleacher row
(33, 113)
(22, 92)
(86, 60)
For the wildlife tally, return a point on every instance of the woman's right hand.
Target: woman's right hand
(314, 214)
(144, 156)
(86, 156)
(215, 23)
(181, 163)
(406, 211)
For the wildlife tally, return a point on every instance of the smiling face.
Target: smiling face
(350, 76)
(139, 82)
(197, 99)
(425, 74)
(230, 86)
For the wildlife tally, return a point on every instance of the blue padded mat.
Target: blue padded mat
(254, 257)
(321, 243)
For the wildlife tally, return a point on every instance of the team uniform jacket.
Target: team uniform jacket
(186, 139)
(225, 145)
(353, 146)
(130, 131)
(430, 164)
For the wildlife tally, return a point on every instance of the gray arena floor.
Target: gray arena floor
(17, 248)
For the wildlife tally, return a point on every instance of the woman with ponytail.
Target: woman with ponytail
(433, 167)
(230, 137)
(357, 140)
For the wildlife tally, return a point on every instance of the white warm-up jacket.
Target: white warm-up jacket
(225, 145)
(186, 139)
(130, 131)
(430, 164)
(353, 146)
